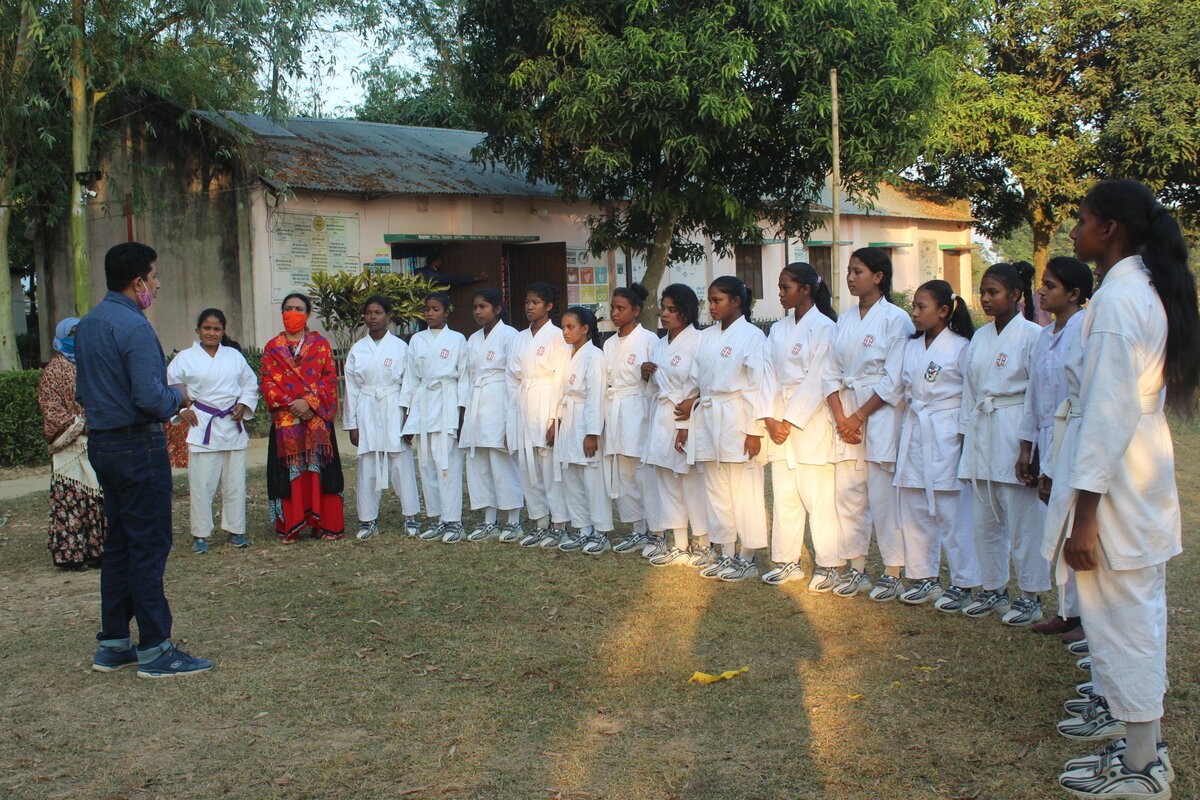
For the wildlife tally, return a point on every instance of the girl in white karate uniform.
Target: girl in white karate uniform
(435, 393)
(374, 420)
(224, 392)
(631, 483)
(927, 459)
(681, 498)
(493, 482)
(800, 347)
(864, 383)
(732, 378)
(576, 436)
(1114, 507)
(533, 388)
(1066, 286)
(1007, 513)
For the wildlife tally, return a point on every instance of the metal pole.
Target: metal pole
(836, 222)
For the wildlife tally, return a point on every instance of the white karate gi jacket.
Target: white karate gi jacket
(533, 387)
(628, 400)
(801, 354)
(581, 411)
(929, 451)
(221, 382)
(435, 387)
(669, 386)
(1047, 386)
(374, 373)
(487, 372)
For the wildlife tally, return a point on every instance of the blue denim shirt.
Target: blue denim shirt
(121, 374)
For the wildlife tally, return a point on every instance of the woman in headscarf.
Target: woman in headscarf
(77, 525)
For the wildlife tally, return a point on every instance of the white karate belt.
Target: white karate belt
(378, 394)
(988, 404)
(568, 409)
(714, 403)
(477, 386)
(854, 384)
(661, 399)
(611, 423)
(447, 423)
(924, 411)
(518, 438)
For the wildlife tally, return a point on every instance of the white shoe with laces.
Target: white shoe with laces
(512, 532)
(782, 573)
(485, 531)
(715, 569)
(1115, 780)
(633, 542)
(1090, 765)
(672, 556)
(655, 544)
(1024, 612)
(739, 569)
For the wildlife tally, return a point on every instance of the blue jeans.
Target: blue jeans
(135, 474)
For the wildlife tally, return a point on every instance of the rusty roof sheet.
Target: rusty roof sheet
(338, 155)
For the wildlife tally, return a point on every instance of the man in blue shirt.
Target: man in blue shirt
(122, 385)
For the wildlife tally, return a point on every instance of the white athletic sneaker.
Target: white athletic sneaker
(739, 569)
(715, 569)
(928, 590)
(434, 532)
(703, 557)
(1086, 689)
(1082, 706)
(412, 527)
(532, 538)
(1098, 723)
(986, 601)
(572, 541)
(852, 583)
(1101, 761)
(1024, 612)
(454, 533)
(824, 579)
(953, 600)
(1079, 648)
(596, 543)
(655, 544)
(1085, 663)
(367, 530)
(511, 532)
(672, 556)
(632, 542)
(782, 573)
(887, 587)
(552, 537)
(485, 531)
(1118, 781)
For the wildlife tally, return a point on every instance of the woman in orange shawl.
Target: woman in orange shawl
(304, 471)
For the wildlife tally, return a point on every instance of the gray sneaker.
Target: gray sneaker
(512, 532)
(1098, 723)
(596, 543)
(453, 533)
(485, 531)
(782, 573)
(852, 583)
(436, 531)
(1080, 648)
(739, 569)
(953, 600)
(921, 592)
(655, 544)
(716, 568)
(572, 541)
(1024, 612)
(412, 527)
(1101, 761)
(887, 587)
(532, 538)
(552, 537)
(703, 557)
(1117, 780)
(672, 556)
(986, 601)
(824, 579)
(632, 542)
(367, 530)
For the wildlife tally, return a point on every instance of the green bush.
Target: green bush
(21, 439)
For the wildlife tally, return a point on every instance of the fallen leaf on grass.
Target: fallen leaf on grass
(414, 655)
(284, 781)
(854, 697)
(413, 790)
(613, 732)
(704, 677)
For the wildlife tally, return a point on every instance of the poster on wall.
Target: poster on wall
(302, 244)
(587, 277)
(929, 261)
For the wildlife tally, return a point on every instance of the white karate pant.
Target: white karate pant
(736, 503)
(629, 479)
(1008, 522)
(925, 533)
(1125, 615)
(492, 479)
(864, 495)
(682, 499)
(805, 491)
(401, 475)
(443, 488)
(959, 543)
(586, 493)
(543, 494)
(206, 470)
(1068, 597)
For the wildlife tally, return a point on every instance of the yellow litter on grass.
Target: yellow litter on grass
(704, 677)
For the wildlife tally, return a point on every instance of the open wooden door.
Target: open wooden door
(534, 263)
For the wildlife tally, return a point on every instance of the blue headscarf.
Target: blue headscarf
(64, 342)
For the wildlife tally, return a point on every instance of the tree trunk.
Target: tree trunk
(1043, 224)
(81, 145)
(8, 336)
(656, 265)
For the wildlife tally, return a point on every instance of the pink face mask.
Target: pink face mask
(145, 299)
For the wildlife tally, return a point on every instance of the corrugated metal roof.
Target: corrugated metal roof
(337, 155)
(907, 200)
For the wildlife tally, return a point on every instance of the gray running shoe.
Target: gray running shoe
(671, 556)
(704, 557)
(434, 532)
(512, 532)
(367, 530)
(453, 533)
(824, 579)
(573, 540)
(1099, 723)
(655, 544)
(782, 573)
(1101, 761)
(532, 538)
(1079, 648)
(1118, 781)
(715, 569)
(928, 590)
(1087, 690)
(596, 543)
(1024, 612)
(485, 531)
(953, 600)
(739, 569)
(887, 587)
(412, 527)
(852, 583)
(552, 537)
(986, 601)
(634, 541)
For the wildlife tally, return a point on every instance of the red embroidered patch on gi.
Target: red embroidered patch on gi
(541, 351)
(387, 362)
(631, 359)
(726, 352)
(445, 353)
(676, 361)
(571, 380)
(491, 355)
(796, 349)
(868, 340)
(1001, 359)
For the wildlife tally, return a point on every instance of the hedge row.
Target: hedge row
(21, 439)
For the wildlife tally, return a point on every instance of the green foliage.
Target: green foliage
(21, 439)
(1018, 245)
(399, 97)
(338, 299)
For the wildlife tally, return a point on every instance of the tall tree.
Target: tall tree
(685, 118)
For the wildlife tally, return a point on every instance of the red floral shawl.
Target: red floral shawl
(312, 376)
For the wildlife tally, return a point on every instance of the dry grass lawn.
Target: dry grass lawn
(403, 669)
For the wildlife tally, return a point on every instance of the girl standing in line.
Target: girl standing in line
(575, 437)
(928, 455)
(493, 482)
(732, 377)
(224, 393)
(434, 391)
(863, 384)
(375, 421)
(801, 431)
(679, 486)
(630, 481)
(1114, 508)
(1007, 514)
(1066, 286)
(533, 386)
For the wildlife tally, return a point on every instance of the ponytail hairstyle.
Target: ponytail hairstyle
(442, 298)
(684, 298)
(586, 317)
(548, 293)
(1015, 278)
(492, 298)
(803, 274)
(1072, 274)
(220, 316)
(1156, 236)
(733, 286)
(636, 294)
(959, 321)
(877, 260)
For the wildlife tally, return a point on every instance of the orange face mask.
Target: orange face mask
(294, 321)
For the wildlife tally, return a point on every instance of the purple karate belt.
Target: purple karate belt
(215, 412)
